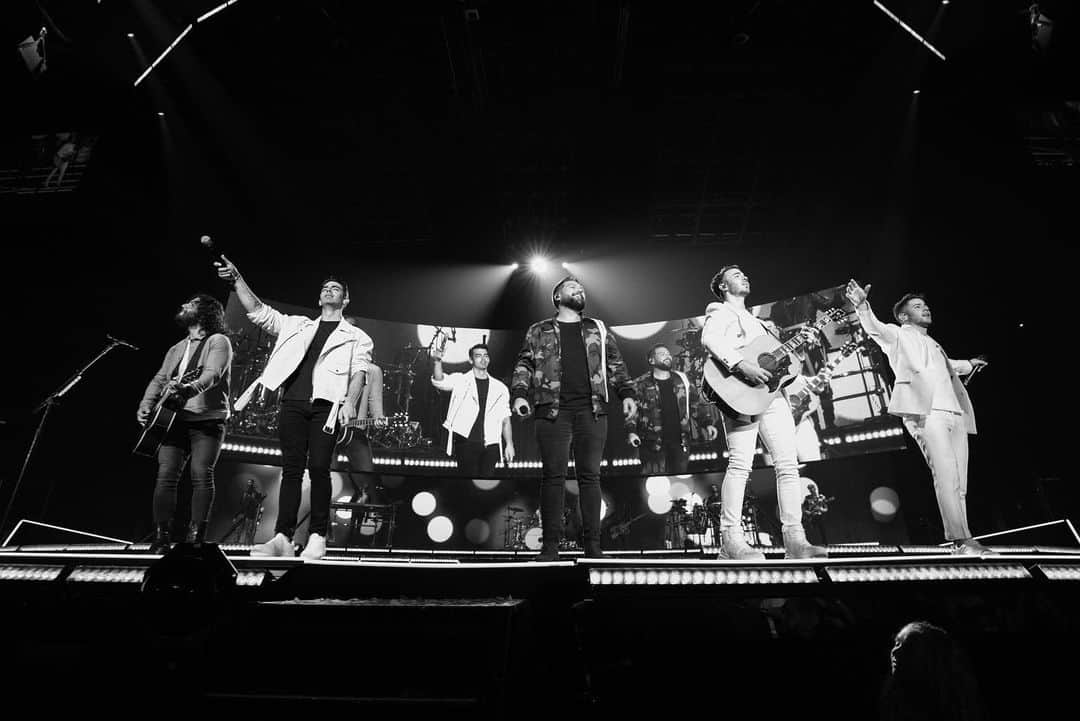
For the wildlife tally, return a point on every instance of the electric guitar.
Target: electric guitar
(162, 417)
(621, 529)
(347, 429)
(800, 401)
(718, 385)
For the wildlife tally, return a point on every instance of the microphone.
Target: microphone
(124, 343)
(207, 242)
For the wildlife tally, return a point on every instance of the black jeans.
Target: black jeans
(303, 444)
(671, 458)
(474, 458)
(586, 433)
(199, 441)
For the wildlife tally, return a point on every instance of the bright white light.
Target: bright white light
(423, 504)
(915, 92)
(513, 266)
(679, 490)
(131, 35)
(638, 331)
(884, 503)
(457, 350)
(161, 57)
(659, 504)
(539, 264)
(486, 484)
(566, 265)
(907, 27)
(477, 531)
(603, 508)
(440, 528)
(658, 485)
(161, 114)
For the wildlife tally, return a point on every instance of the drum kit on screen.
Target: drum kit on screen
(524, 531)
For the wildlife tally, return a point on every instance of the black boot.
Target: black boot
(160, 544)
(592, 549)
(548, 554)
(196, 532)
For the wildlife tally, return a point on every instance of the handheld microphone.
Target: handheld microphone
(207, 242)
(124, 343)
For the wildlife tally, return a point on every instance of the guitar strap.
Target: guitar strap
(192, 360)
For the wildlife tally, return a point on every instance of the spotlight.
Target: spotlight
(514, 266)
(131, 35)
(161, 114)
(915, 92)
(423, 503)
(565, 265)
(539, 264)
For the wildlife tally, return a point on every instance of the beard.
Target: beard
(186, 319)
(573, 303)
(664, 365)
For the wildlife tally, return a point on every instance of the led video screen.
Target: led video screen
(838, 396)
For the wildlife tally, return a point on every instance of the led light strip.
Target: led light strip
(907, 27)
(181, 36)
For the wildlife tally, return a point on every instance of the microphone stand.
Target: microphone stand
(46, 406)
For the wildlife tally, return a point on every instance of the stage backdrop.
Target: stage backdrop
(846, 418)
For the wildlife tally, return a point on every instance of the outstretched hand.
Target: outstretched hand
(856, 293)
(226, 270)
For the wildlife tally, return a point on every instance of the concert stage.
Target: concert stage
(492, 633)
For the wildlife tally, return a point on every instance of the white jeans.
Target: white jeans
(777, 430)
(943, 439)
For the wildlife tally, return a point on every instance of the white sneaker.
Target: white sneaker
(279, 545)
(315, 548)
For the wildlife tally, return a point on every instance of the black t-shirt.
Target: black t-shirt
(669, 410)
(298, 385)
(575, 390)
(477, 433)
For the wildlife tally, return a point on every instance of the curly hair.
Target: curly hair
(210, 314)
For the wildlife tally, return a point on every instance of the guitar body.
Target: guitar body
(719, 385)
(155, 429)
(154, 432)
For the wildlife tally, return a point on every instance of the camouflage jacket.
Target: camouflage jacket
(648, 421)
(538, 371)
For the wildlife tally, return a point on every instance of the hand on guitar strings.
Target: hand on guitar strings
(752, 372)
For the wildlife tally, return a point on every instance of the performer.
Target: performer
(932, 402)
(478, 418)
(321, 366)
(198, 430)
(728, 327)
(360, 462)
(661, 426)
(565, 366)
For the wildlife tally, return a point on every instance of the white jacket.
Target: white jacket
(347, 352)
(465, 406)
(724, 332)
(913, 393)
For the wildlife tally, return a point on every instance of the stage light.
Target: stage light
(98, 574)
(423, 503)
(679, 489)
(659, 504)
(131, 35)
(477, 531)
(658, 485)
(161, 114)
(30, 573)
(486, 484)
(539, 264)
(514, 266)
(604, 507)
(943, 572)
(908, 28)
(699, 577)
(565, 265)
(884, 503)
(638, 331)
(440, 528)
(914, 92)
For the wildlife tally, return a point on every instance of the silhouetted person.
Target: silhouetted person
(931, 678)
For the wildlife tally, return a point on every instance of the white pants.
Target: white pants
(777, 430)
(807, 441)
(943, 439)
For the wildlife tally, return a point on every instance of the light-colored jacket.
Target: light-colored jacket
(347, 352)
(724, 333)
(465, 406)
(913, 392)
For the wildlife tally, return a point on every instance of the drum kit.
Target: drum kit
(524, 531)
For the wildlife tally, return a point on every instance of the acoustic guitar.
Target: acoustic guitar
(161, 418)
(718, 385)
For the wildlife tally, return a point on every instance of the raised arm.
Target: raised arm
(884, 334)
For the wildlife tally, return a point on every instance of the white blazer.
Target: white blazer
(465, 406)
(908, 353)
(347, 352)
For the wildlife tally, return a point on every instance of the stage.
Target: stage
(491, 633)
